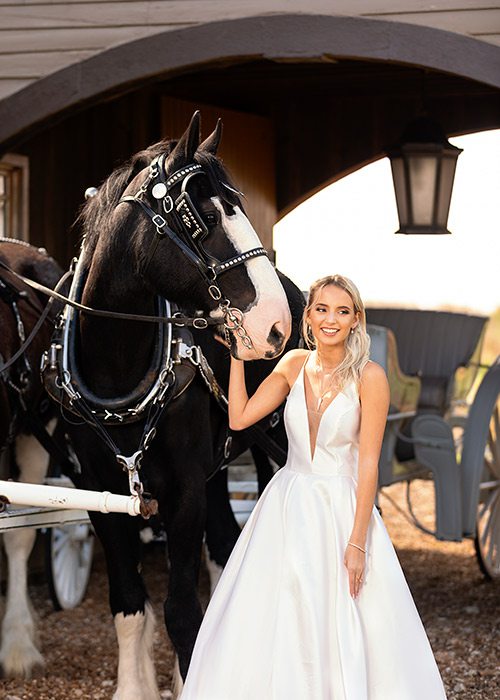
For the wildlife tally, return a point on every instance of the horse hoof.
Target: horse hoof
(24, 662)
(19, 669)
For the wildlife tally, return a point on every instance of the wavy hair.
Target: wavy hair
(357, 344)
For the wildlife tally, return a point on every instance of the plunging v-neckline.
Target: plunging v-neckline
(312, 452)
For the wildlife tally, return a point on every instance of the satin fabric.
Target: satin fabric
(282, 624)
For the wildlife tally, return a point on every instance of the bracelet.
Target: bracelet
(357, 547)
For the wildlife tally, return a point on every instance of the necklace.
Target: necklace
(322, 377)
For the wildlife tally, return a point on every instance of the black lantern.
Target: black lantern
(423, 169)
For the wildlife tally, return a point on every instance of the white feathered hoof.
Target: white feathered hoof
(136, 673)
(19, 656)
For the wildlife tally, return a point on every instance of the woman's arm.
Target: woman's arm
(374, 396)
(271, 393)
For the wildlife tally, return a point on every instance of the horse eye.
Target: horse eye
(210, 218)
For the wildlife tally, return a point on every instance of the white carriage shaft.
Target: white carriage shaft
(68, 498)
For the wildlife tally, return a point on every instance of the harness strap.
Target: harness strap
(239, 259)
(199, 322)
(163, 229)
(24, 346)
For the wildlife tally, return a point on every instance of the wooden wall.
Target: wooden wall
(77, 153)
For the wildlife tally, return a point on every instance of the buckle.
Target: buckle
(200, 323)
(158, 221)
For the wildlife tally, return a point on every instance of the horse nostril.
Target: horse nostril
(275, 336)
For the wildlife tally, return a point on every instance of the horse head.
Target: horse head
(196, 246)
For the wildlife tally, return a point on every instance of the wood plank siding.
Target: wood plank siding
(39, 37)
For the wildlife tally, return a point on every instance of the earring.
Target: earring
(352, 330)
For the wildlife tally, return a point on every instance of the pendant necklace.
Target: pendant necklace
(322, 376)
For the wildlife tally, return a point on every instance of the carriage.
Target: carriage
(434, 430)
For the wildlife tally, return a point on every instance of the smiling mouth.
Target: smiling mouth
(330, 331)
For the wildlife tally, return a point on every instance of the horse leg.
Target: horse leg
(185, 524)
(133, 615)
(19, 654)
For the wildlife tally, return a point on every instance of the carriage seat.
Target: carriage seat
(434, 345)
(405, 390)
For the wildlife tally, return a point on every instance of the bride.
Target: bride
(312, 604)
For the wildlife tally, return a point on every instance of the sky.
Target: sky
(348, 228)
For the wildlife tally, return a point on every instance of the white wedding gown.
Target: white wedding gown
(282, 624)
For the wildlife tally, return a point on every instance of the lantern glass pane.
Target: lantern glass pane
(422, 169)
(398, 176)
(448, 167)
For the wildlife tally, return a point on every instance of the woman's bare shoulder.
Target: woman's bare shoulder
(373, 372)
(373, 378)
(291, 363)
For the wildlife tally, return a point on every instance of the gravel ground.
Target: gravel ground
(459, 609)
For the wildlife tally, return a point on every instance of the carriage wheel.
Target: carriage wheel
(69, 550)
(487, 539)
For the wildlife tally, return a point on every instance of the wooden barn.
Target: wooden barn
(308, 92)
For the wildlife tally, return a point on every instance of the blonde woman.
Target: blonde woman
(313, 604)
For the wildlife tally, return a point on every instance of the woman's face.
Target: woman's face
(332, 316)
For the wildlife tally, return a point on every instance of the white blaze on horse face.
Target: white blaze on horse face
(270, 310)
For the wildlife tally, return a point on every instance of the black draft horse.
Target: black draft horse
(167, 225)
(21, 402)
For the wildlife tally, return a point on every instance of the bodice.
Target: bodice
(337, 440)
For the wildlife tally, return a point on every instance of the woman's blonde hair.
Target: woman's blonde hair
(357, 344)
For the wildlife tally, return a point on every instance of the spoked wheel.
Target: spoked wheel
(69, 550)
(487, 539)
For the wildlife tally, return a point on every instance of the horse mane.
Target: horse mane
(95, 215)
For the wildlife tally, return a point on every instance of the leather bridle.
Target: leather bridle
(177, 218)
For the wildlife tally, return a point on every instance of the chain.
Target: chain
(233, 318)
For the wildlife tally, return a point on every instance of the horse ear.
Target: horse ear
(189, 141)
(211, 143)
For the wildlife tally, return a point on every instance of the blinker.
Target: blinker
(191, 220)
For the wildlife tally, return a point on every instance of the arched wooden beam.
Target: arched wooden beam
(287, 36)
